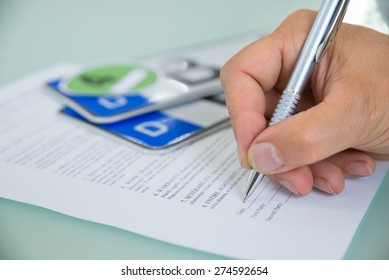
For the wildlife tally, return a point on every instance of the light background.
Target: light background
(35, 34)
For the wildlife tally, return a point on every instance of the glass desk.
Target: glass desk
(38, 34)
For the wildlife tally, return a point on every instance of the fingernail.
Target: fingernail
(290, 186)
(323, 185)
(359, 168)
(265, 157)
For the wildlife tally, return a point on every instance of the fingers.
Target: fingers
(261, 67)
(245, 95)
(246, 109)
(322, 175)
(353, 163)
(299, 181)
(345, 107)
(327, 175)
(303, 139)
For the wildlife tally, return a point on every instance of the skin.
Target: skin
(342, 121)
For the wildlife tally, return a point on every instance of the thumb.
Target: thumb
(302, 139)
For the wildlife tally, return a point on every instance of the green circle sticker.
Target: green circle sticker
(111, 80)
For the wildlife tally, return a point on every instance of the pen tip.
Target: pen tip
(245, 198)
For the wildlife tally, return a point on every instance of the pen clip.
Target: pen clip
(333, 29)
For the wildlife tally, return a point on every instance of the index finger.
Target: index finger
(261, 67)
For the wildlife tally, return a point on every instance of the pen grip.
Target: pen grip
(286, 106)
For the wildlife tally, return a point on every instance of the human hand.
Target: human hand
(342, 120)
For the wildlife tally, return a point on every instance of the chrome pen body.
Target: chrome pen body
(322, 33)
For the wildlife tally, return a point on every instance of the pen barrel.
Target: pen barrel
(286, 106)
(322, 32)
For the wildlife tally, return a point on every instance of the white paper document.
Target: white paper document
(190, 196)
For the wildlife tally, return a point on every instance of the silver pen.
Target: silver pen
(323, 31)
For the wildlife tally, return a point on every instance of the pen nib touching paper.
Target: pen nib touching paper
(253, 179)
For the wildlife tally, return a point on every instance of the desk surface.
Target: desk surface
(37, 34)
